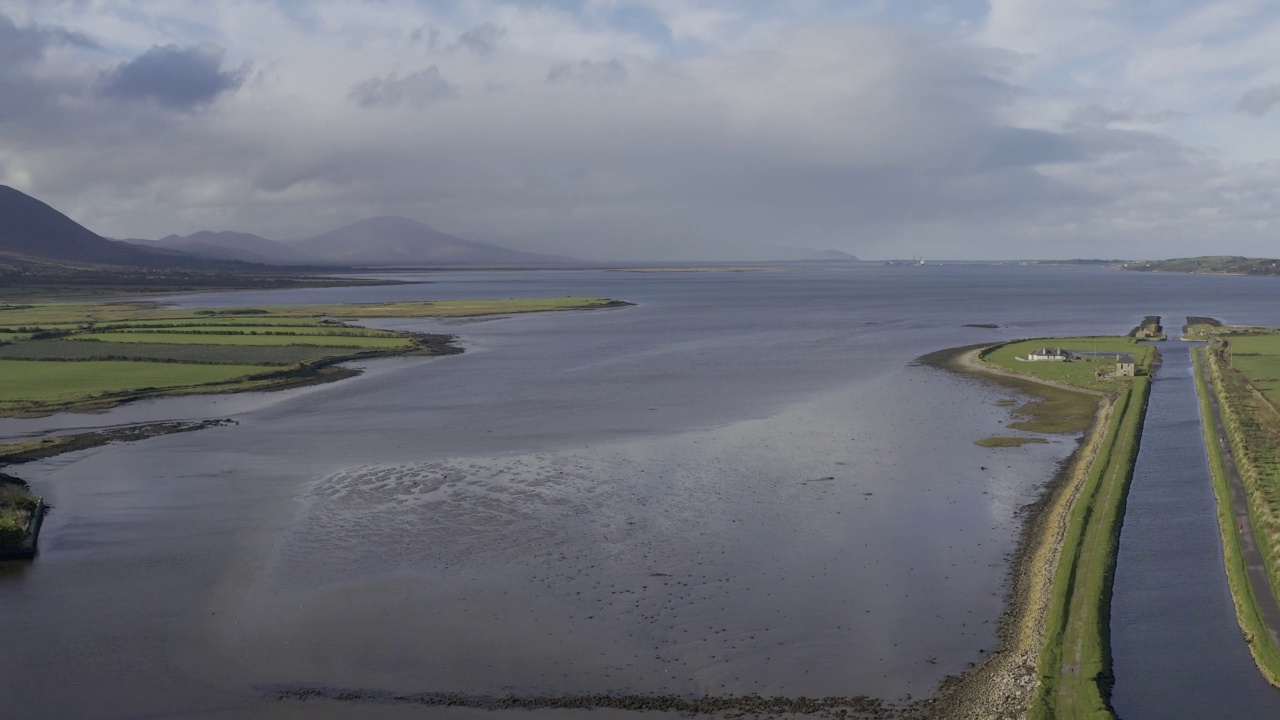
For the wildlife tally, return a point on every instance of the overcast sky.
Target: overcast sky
(660, 128)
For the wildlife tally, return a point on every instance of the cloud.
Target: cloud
(419, 91)
(175, 77)
(738, 128)
(482, 39)
(26, 44)
(588, 72)
(1259, 101)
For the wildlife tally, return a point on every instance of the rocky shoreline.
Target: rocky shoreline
(1004, 684)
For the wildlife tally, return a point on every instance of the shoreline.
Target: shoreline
(1006, 682)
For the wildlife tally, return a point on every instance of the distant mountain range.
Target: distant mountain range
(34, 234)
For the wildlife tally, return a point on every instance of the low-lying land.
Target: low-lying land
(1054, 660)
(1244, 379)
(1210, 264)
(89, 356)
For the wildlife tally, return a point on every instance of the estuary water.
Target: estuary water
(740, 485)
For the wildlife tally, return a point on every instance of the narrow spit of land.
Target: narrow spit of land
(1236, 380)
(1054, 660)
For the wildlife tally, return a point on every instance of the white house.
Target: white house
(1046, 354)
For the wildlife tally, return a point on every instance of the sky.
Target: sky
(660, 129)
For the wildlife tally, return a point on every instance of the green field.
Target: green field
(33, 380)
(1258, 357)
(351, 341)
(1079, 372)
(242, 354)
(82, 355)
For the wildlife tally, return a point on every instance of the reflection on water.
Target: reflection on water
(737, 486)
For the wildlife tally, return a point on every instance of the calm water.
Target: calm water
(738, 486)
(1177, 649)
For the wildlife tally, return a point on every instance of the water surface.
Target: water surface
(740, 485)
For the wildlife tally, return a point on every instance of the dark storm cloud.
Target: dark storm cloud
(482, 39)
(1259, 101)
(175, 77)
(418, 91)
(588, 72)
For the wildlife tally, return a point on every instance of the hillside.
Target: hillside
(33, 234)
(393, 240)
(1211, 264)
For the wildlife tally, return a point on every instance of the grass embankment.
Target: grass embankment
(88, 356)
(1252, 422)
(1244, 368)
(1074, 661)
(1265, 653)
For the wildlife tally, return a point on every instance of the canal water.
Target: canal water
(1177, 650)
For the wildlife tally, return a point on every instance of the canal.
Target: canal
(1177, 650)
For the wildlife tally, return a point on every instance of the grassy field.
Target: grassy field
(1265, 653)
(39, 381)
(216, 354)
(85, 355)
(1074, 661)
(1258, 358)
(335, 340)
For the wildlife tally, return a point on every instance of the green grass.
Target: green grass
(352, 341)
(33, 381)
(996, 441)
(1079, 372)
(1075, 663)
(1258, 357)
(216, 354)
(1265, 653)
(126, 350)
(1253, 427)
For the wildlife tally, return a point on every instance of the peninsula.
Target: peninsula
(1054, 660)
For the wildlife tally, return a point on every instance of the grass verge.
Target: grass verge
(1265, 653)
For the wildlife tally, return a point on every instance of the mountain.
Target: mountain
(34, 234)
(229, 246)
(393, 240)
